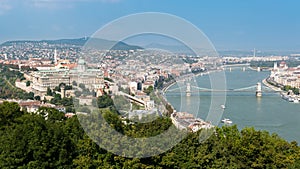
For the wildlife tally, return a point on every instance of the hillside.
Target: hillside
(79, 42)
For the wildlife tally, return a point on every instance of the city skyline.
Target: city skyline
(234, 25)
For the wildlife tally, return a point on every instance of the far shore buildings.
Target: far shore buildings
(284, 75)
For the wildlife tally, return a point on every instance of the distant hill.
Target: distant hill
(77, 42)
(171, 48)
(92, 42)
(107, 44)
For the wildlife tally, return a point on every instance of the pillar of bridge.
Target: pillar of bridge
(258, 90)
(188, 89)
(258, 69)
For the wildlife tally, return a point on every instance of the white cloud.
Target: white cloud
(50, 4)
(56, 4)
(7, 5)
(4, 6)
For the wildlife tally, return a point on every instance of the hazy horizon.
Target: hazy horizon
(233, 24)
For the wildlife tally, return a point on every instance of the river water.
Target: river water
(269, 112)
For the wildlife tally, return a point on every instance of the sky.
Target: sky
(229, 24)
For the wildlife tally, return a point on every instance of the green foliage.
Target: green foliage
(58, 88)
(49, 91)
(136, 106)
(82, 86)
(169, 109)
(113, 119)
(11, 72)
(148, 90)
(108, 79)
(28, 83)
(70, 109)
(9, 111)
(51, 114)
(33, 141)
(87, 92)
(30, 96)
(155, 126)
(78, 93)
(84, 109)
(74, 83)
(294, 89)
(104, 101)
(7, 88)
(121, 103)
(57, 100)
(37, 98)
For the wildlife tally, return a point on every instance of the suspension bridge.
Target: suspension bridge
(189, 89)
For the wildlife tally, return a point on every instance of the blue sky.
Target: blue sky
(229, 24)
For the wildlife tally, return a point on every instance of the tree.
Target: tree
(49, 140)
(28, 83)
(51, 114)
(68, 87)
(36, 143)
(287, 88)
(37, 98)
(148, 90)
(30, 96)
(296, 90)
(56, 88)
(49, 91)
(70, 109)
(9, 111)
(56, 100)
(78, 93)
(105, 101)
(74, 83)
(82, 86)
(108, 79)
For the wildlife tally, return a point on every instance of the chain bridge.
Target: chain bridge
(189, 89)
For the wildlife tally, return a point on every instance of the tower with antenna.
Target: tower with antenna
(55, 56)
(254, 53)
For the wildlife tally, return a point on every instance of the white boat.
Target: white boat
(226, 121)
(223, 106)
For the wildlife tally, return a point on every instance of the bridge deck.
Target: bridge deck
(131, 97)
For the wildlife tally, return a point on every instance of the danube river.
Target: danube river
(269, 112)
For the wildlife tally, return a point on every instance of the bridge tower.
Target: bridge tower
(258, 90)
(188, 89)
(258, 69)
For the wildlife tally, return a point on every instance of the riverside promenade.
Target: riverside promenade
(266, 83)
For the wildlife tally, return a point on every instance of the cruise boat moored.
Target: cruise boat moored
(226, 121)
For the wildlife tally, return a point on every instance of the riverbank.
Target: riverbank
(167, 86)
(269, 85)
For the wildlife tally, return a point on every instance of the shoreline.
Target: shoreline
(266, 83)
